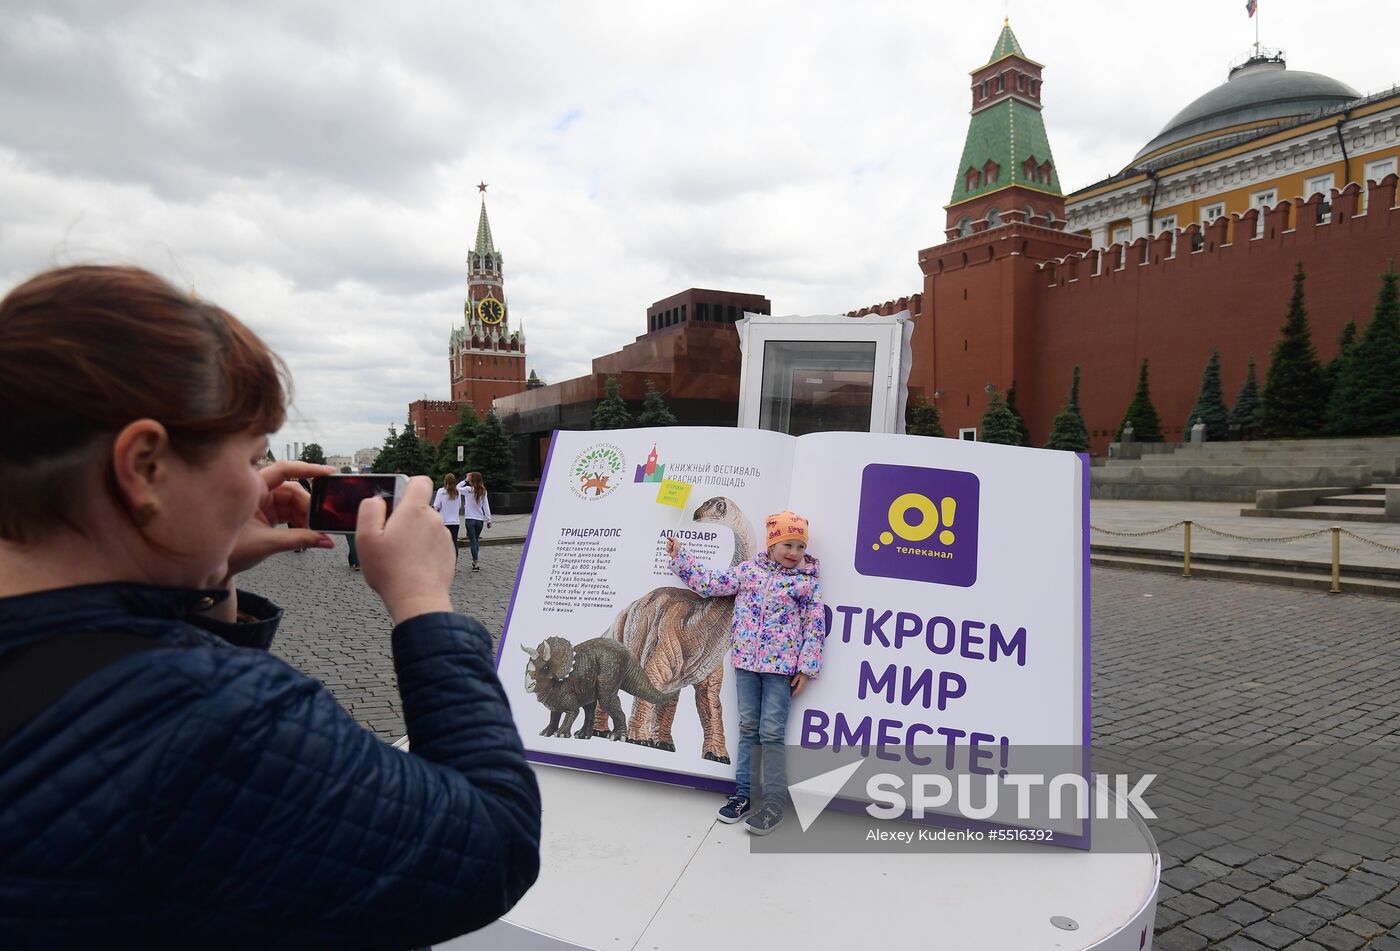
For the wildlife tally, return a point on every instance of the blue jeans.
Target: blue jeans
(452, 530)
(474, 526)
(763, 711)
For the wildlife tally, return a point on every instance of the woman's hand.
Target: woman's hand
(283, 501)
(798, 683)
(673, 547)
(408, 558)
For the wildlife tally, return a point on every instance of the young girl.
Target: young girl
(448, 502)
(476, 512)
(776, 644)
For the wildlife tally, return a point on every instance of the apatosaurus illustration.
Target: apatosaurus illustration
(680, 640)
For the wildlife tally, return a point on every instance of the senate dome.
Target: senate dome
(1260, 94)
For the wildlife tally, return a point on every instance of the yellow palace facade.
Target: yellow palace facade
(1266, 135)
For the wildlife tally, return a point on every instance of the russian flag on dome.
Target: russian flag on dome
(1251, 6)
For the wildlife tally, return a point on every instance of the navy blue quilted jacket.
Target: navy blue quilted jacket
(210, 795)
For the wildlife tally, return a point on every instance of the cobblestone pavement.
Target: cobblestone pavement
(1272, 716)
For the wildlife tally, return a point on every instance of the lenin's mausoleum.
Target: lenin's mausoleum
(1190, 247)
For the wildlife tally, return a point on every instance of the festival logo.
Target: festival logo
(918, 524)
(596, 471)
(651, 472)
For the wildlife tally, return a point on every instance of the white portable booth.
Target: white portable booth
(818, 374)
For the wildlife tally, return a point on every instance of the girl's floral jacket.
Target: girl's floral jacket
(779, 619)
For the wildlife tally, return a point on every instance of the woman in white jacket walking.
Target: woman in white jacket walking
(476, 512)
(448, 503)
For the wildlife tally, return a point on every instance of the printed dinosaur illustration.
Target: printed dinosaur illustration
(680, 640)
(599, 484)
(568, 678)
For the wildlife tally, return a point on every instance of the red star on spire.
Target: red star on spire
(481, 188)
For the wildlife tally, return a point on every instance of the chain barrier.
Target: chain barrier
(1336, 531)
(1370, 541)
(1151, 531)
(1268, 538)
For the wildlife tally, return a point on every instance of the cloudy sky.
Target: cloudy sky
(312, 165)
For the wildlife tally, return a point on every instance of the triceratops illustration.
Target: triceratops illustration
(567, 678)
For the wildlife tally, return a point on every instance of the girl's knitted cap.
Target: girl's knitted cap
(786, 527)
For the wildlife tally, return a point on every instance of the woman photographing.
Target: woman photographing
(164, 780)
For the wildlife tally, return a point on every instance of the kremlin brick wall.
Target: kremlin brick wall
(998, 307)
(1172, 309)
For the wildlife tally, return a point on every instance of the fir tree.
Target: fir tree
(1294, 401)
(1147, 425)
(1210, 403)
(414, 456)
(998, 423)
(490, 454)
(1338, 422)
(611, 412)
(1020, 421)
(1345, 344)
(1244, 415)
(312, 452)
(459, 433)
(1068, 430)
(922, 419)
(388, 458)
(1366, 401)
(654, 409)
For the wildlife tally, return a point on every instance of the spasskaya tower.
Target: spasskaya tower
(486, 356)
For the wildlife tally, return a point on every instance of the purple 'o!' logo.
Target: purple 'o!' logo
(918, 524)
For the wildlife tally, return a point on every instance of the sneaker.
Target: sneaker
(475, 567)
(734, 809)
(765, 820)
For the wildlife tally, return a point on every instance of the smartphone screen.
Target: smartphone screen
(335, 499)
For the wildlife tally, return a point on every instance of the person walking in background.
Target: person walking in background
(354, 554)
(165, 780)
(448, 503)
(476, 512)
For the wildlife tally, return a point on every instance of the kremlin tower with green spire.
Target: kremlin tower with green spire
(976, 333)
(1007, 173)
(487, 357)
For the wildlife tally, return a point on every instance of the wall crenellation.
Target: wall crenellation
(1316, 219)
(914, 303)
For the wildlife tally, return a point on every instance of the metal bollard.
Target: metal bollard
(1186, 563)
(1336, 560)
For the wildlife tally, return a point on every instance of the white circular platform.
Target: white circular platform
(636, 865)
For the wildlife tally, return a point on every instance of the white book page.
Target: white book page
(968, 627)
(597, 546)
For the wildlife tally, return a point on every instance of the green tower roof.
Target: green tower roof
(484, 244)
(1008, 134)
(1006, 44)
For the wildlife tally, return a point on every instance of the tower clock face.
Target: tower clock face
(490, 310)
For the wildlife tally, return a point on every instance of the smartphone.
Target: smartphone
(335, 499)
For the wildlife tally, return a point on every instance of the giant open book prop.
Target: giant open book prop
(955, 576)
